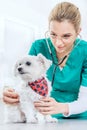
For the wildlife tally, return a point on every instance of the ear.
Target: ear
(43, 60)
(79, 30)
(15, 69)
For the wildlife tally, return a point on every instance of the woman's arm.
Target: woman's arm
(80, 104)
(50, 106)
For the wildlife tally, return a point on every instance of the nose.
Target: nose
(20, 69)
(59, 42)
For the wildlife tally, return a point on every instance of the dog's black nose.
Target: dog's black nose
(20, 69)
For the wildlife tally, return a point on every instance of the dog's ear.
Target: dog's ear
(43, 60)
(15, 69)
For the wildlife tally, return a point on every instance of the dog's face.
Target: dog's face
(32, 68)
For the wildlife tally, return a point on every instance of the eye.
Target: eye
(66, 36)
(28, 63)
(53, 35)
(19, 64)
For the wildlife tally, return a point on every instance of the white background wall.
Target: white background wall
(23, 16)
(36, 12)
(29, 14)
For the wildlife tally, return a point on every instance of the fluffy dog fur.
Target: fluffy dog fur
(30, 69)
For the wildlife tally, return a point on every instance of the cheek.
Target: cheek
(71, 43)
(54, 42)
(69, 46)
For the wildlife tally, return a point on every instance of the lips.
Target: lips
(60, 47)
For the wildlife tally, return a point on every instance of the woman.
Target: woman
(68, 72)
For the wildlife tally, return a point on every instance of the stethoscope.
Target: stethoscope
(60, 62)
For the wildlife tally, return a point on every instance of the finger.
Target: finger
(10, 100)
(47, 99)
(38, 104)
(10, 94)
(45, 111)
(41, 104)
(45, 102)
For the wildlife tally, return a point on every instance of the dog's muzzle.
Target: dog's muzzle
(20, 70)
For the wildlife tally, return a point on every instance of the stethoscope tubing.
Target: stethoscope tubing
(56, 65)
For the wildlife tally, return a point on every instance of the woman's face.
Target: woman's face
(62, 35)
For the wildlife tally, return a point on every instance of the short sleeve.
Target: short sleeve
(32, 50)
(84, 73)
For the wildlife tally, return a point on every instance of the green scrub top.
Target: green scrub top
(68, 80)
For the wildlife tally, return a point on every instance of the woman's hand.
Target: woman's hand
(48, 106)
(10, 96)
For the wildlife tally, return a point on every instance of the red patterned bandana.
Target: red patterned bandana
(40, 86)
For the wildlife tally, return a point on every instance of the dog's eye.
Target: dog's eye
(28, 63)
(20, 64)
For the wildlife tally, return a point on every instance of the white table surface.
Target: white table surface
(61, 125)
(70, 124)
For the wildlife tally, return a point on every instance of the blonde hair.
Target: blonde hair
(66, 11)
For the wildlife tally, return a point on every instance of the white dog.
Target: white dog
(32, 70)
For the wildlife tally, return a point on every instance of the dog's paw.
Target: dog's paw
(32, 120)
(49, 119)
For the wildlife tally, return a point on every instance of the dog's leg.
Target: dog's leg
(12, 114)
(49, 119)
(29, 111)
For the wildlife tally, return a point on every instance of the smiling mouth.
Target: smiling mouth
(60, 47)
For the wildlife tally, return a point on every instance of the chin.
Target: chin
(60, 51)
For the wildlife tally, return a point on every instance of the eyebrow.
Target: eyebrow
(62, 34)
